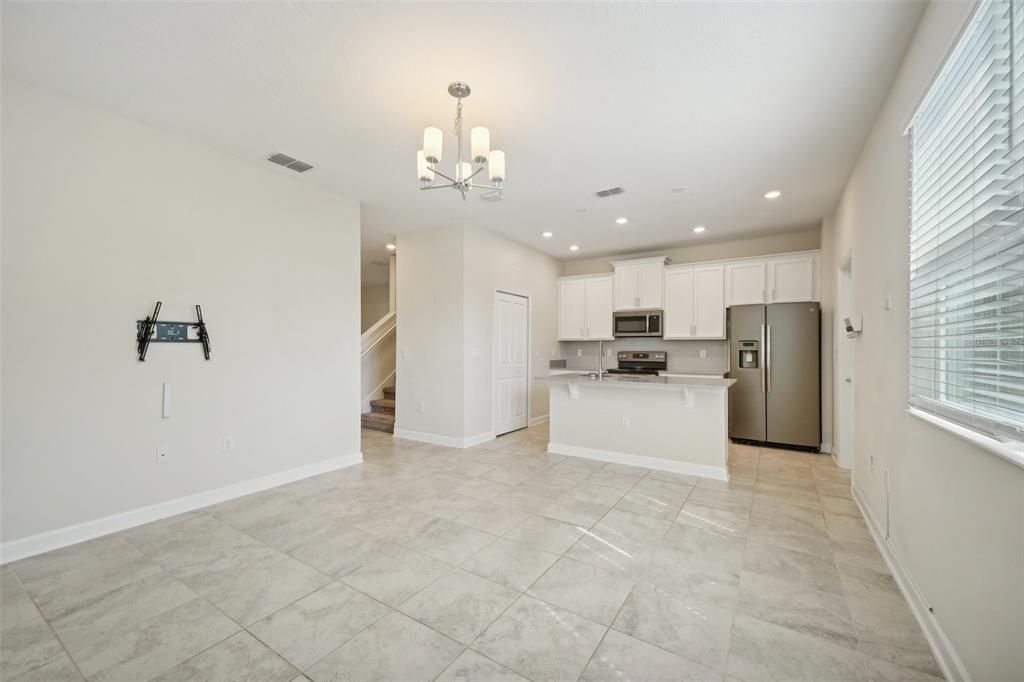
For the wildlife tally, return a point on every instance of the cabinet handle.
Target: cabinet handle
(774, 295)
(764, 295)
(588, 332)
(581, 333)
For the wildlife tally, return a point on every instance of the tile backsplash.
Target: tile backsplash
(682, 355)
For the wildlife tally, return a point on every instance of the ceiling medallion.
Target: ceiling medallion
(481, 154)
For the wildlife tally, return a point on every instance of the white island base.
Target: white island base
(666, 423)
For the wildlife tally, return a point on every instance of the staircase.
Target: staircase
(381, 416)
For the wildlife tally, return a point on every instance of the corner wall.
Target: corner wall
(102, 217)
(955, 511)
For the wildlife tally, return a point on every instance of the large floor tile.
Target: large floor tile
(472, 667)
(804, 609)
(15, 604)
(722, 521)
(26, 645)
(446, 540)
(394, 578)
(396, 647)
(239, 658)
(764, 651)
(460, 605)
(583, 589)
(541, 641)
(693, 629)
(509, 563)
(60, 669)
(492, 518)
(793, 566)
(314, 626)
(343, 551)
(649, 504)
(622, 658)
(547, 534)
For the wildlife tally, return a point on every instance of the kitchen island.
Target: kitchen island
(671, 423)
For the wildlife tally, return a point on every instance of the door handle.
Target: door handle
(768, 359)
(764, 363)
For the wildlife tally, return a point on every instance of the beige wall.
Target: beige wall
(374, 304)
(102, 217)
(803, 240)
(955, 511)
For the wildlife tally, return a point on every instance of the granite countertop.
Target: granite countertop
(654, 382)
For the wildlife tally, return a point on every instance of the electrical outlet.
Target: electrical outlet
(703, 353)
(229, 444)
(609, 352)
(579, 352)
(163, 454)
(625, 422)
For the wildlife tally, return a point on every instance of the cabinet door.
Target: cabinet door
(572, 320)
(626, 291)
(791, 280)
(709, 302)
(745, 282)
(678, 304)
(599, 309)
(650, 277)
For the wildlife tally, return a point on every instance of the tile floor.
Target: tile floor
(500, 562)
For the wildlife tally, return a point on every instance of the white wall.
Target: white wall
(956, 512)
(493, 262)
(801, 240)
(430, 333)
(102, 217)
(374, 304)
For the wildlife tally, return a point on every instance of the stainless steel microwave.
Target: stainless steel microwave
(637, 323)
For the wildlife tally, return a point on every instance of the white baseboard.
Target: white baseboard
(447, 441)
(538, 420)
(942, 648)
(702, 470)
(72, 535)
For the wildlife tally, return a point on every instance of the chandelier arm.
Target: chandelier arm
(475, 173)
(449, 179)
(440, 186)
(496, 187)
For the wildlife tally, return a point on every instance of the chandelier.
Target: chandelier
(481, 154)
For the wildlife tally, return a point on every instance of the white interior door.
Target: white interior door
(511, 379)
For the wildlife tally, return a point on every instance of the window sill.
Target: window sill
(1012, 452)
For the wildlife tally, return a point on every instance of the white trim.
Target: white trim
(1011, 451)
(494, 355)
(72, 535)
(447, 441)
(676, 467)
(378, 389)
(826, 448)
(378, 332)
(953, 668)
(538, 420)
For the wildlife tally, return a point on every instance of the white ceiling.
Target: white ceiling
(728, 100)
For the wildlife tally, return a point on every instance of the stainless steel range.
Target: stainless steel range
(641, 362)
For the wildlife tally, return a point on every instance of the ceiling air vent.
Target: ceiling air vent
(289, 162)
(610, 192)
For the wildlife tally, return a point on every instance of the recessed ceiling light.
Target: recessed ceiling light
(574, 247)
(547, 235)
(699, 229)
(390, 247)
(774, 194)
(622, 221)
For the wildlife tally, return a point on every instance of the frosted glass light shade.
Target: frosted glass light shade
(480, 143)
(423, 171)
(463, 171)
(432, 144)
(496, 166)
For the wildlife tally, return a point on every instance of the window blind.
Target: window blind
(967, 230)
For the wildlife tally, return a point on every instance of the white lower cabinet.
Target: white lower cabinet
(695, 302)
(585, 308)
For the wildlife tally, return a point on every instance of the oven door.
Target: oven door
(632, 324)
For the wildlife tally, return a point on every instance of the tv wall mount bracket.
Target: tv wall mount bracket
(150, 330)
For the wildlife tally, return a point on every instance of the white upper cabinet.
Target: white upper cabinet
(745, 282)
(585, 308)
(638, 284)
(678, 320)
(572, 309)
(599, 308)
(792, 279)
(695, 302)
(709, 302)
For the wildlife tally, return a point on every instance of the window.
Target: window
(967, 230)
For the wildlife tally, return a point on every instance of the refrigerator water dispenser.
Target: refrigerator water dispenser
(749, 355)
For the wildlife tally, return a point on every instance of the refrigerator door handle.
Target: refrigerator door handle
(768, 360)
(764, 377)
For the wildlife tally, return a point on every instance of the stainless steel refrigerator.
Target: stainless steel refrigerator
(775, 357)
